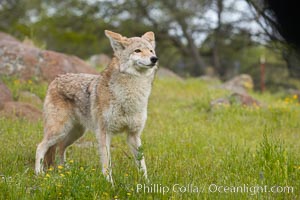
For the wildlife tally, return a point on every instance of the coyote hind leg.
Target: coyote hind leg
(50, 156)
(74, 134)
(54, 134)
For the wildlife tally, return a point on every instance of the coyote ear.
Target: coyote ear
(149, 36)
(117, 41)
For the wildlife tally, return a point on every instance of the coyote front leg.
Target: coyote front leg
(135, 144)
(104, 140)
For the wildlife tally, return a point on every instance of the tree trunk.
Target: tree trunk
(216, 44)
(199, 67)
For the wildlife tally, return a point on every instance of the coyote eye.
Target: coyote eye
(137, 51)
(151, 51)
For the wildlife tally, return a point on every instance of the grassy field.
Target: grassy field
(192, 152)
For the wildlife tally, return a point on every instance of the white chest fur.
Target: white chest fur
(128, 106)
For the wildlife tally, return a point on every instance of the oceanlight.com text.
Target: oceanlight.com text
(212, 188)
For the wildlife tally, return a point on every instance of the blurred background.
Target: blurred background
(195, 38)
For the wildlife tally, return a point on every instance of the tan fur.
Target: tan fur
(113, 102)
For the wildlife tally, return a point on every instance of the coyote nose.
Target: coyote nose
(154, 59)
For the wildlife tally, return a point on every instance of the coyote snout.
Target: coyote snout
(112, 102)
(153, 60)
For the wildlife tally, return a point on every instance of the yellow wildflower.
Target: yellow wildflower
(286, 99)
(17, 82)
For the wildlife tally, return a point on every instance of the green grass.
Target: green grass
(185, 142)
(17, 85)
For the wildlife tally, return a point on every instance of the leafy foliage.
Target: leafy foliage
(192, 36)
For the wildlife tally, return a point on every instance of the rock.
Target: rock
(7, 37)
(5, 94)
(294, 93)
(101, 60)
(27, 61)
(20, 110)
(240, 84)
(53, 63)
(243, 99)
(167, 73)
(236, 99)
(212, 79)
(210, 71)
(28, 97)
(220, 102)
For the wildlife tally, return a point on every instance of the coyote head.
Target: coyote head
(136, 55)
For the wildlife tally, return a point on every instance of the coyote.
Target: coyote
(112, 102)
